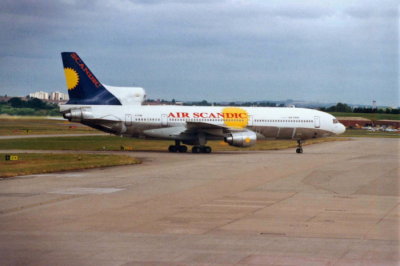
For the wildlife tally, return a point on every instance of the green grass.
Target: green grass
(95, 143)
(271, 144)
(10, 125)
(92, 143)
(40, 126)
(30, 163)
(366, 133)
(374, 117)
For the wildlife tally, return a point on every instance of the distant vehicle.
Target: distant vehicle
(369, 128)
(119, 110)
(388, 129)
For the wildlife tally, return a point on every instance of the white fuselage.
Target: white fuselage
(183, 122)
(119, 110)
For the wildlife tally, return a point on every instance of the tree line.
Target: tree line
(33, 103)
(339, 107)
(31, 106)
(344, 108)
(34, 106)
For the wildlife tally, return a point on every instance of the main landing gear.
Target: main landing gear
(299, 146)
(201, 149)
(177, 147)
(182, 148)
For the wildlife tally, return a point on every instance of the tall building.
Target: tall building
(55, 96)
(40, 95)
(58, 96)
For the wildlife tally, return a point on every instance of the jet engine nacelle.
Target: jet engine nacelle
(77, 115)
(242, 139)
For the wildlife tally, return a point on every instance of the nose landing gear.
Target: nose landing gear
(299, 146)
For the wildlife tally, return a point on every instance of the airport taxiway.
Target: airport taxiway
(336, 204)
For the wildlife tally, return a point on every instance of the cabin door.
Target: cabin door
(250, 122)
(164, 120)
(317, 122)
(128, 119)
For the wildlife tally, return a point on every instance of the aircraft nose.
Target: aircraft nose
(340, 129)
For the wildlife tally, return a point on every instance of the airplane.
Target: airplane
(120, 111)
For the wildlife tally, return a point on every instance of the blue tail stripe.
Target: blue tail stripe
(89, 89)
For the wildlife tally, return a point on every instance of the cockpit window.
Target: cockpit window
(335, 121)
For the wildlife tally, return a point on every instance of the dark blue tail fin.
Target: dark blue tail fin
(83, 86)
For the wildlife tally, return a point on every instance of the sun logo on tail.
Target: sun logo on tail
(71, 77)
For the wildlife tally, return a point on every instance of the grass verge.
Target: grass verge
(35, 163)
(94, 143)
(371, 116)
(263, 145)
(40, 126)
(370, 134)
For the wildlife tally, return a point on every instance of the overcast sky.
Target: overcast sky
(218, 50)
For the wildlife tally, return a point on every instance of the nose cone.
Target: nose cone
(339, 129)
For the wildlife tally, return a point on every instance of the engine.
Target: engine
(79, 114)
(242, 139)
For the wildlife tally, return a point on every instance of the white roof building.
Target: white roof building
(40, 95)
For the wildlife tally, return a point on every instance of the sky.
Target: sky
(217, 50)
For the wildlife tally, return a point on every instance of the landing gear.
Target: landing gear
(299, 146)
(201, 149)
(182, 149)
(177, 147)
(195, 149)
(207, 149)
(172, 148)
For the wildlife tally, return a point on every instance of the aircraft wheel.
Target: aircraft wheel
(207, 149)
(196, 149)
(182, 149)
(172, 148)
(299, 150)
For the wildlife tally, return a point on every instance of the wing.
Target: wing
(212, 129)
(191, 130)
(239, 137)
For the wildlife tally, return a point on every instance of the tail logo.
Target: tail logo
(72, 78)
